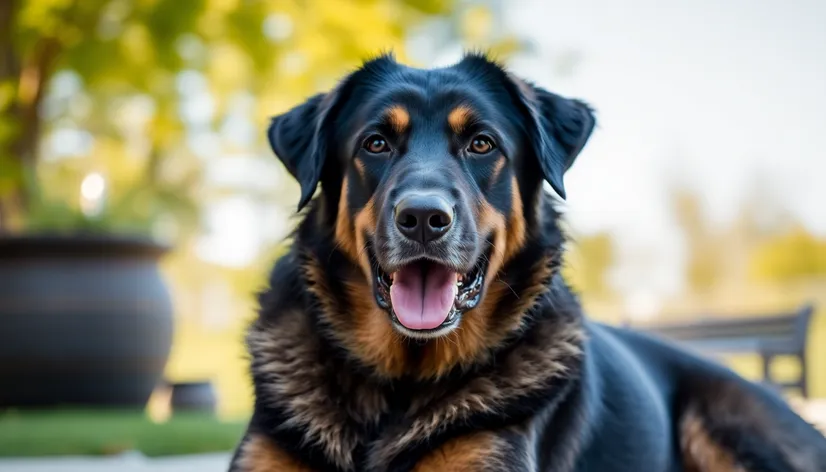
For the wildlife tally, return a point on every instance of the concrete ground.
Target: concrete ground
(132, 462)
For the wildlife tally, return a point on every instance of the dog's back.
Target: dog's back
(655, 403)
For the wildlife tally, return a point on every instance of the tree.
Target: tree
(588, 263)
(792, 256)
(706, 261)
(143, 55)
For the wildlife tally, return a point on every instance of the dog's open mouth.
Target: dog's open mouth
(426, 296)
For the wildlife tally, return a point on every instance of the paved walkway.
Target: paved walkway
(133, 462)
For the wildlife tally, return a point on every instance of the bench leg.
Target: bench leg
(804, 382)
(767, 370)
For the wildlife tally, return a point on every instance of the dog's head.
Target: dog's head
(431, 178)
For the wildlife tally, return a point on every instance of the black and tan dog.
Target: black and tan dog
(419, 321)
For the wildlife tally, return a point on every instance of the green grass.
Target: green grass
(49, 433)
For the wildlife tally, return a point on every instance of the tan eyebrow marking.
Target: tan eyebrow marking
(399, 118)
(459, 117)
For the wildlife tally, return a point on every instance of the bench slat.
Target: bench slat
(766, 335)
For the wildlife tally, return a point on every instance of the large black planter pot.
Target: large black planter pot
(84, 321)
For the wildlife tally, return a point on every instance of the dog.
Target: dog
(419, 321)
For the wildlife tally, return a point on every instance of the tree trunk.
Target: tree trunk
(31, 76)
(9, 71)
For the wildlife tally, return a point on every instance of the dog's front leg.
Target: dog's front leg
(480, 452)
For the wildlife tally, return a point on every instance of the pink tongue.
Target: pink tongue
(422, 295)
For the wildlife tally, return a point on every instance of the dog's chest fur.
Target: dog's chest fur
(332, 413)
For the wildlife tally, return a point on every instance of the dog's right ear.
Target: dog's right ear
(299, 140)
(559, 129)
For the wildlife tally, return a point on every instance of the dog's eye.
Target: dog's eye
(376, 144)
(481, 145)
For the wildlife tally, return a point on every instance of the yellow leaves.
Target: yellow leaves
(335, 35)
(365, 24)
(476, 23)
(705, 266)
(136, 44)
(211, 24)
(223, 6)
(504, 48)
(587, 263)
(795, 255)
(39, 21)
(479, 31)
(229, 68)
(315, 43)
(109, 157)
(42, 15)
(165, 128)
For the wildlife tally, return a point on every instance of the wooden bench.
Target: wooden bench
(768, 336)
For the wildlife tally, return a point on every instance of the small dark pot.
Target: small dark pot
(84, 320)
(193, 397)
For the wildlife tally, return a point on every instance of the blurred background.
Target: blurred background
(132, 154)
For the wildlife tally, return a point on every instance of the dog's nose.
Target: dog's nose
(423, 218)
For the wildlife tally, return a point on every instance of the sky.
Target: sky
(716, 95)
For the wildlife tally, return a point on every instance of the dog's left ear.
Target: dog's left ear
(299, 140)
(559, 128)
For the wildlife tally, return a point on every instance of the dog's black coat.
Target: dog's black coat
(553, 392)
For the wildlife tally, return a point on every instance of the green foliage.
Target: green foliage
(62, 433)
